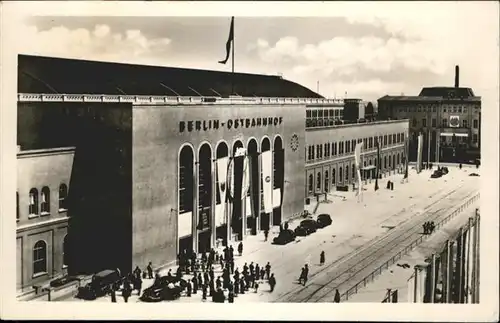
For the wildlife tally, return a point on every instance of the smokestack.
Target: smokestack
(457, 76)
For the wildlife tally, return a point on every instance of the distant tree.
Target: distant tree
(369, 108)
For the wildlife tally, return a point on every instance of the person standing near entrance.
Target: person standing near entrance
(272, 282)
(266, 234)
(268, 270)
(322, 258)
(240, 248)
(150, 270)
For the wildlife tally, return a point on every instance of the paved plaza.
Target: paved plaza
(359, 228)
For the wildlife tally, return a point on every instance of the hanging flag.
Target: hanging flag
(357, 162)
(229, 41)
(419, 152)
(406, 159)
(267, 168)
(220, 209)
(378, 163)
(245, 186)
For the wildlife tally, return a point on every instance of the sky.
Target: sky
(367, 50)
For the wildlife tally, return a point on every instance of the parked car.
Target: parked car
(306, 227)
(473, 174)
(324, 220)
(165, 288)
(444, 170)
(284, 237)
(101, 284)
(437, 174)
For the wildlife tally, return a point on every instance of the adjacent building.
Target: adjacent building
(142, 162)
(448, 117)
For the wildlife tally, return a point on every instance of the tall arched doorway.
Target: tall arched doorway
(341, 179)
(253, 192)
(235, 190)
(310, 184)
(264, 217)
(278, 179)
(186, 201)
(221, 205)
(347, 174)
(393, 162)
(204, 197)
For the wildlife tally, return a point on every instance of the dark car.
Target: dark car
(324, 220)
(306, 227)
(437, 174)
(164, 289)
(284, 237)
(473, 174)
(101, 284)
(444, 170)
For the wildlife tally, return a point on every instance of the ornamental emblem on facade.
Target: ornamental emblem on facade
(294, 142)
(268, 179)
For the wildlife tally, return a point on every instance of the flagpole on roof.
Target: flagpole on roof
(232, 60)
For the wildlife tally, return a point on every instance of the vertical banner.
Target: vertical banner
(245, 186)
(236, 186)
(357, 161)
(267, 168)
(377, 144)
(419, 152)
(222, 164)
(411, 289)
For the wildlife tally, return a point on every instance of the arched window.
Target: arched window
(40, 257)
(63, 194)
(65, 251)
(310, 185)
(370, 162)
(390, 162)
(340, 175)
(45, 200)
(393, 161)
(318, 181)
(33, 206)
(385, 162)
(204, 186)
(347, 173)
(186, 161)
(353, 171)
(333, 176)
(397, 158)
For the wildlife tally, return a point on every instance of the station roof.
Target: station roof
(38, 74)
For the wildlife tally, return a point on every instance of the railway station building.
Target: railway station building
(119, 164)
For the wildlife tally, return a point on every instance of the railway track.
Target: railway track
(350, 266)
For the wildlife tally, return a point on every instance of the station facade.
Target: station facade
(146, 175)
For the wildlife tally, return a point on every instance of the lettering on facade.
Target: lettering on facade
(204, 125)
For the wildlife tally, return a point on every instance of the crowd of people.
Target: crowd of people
(429, 227)
(214, 275)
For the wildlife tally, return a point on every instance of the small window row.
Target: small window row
(39, 202)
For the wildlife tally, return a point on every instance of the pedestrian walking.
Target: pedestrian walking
(336, 298)
(231, 252)
(150, 270)
(256, 286)
(257, 271)
(206, 278)
(392, 186)
(230, 297)
(189, 288)
(268, 269)
(126, 293)
(204, 292)
(231, 265)
(236, 287)
(137, 271)
(218, 283)
(272, 282)
(424, 226)
(113, 295)
(195, 284)
(262, 273)
(251, 267)
(139, 286)
(322, 258)
(242, 286)
(245, 269)
(266, 234)
(236, 274)
(240, 248)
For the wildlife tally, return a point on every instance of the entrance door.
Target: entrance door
(204, 240)
(186, 243)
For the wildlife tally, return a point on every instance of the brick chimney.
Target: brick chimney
(457, 76)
